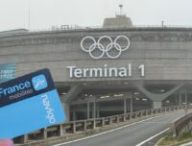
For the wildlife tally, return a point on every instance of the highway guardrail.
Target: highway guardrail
(182, 125)
(70, 129)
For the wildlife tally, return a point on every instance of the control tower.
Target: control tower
(120, 21)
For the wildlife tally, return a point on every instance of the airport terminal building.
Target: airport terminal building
(114, 69)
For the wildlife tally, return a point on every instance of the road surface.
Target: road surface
(132, 135)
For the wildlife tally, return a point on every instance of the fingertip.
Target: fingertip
(6, 142)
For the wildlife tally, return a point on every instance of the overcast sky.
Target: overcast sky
(46, 13)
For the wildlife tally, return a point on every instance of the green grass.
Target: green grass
(170, 141)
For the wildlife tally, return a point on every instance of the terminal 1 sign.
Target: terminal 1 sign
(104, 72)
(105, 47)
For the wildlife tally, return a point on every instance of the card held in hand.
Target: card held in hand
(29, 103)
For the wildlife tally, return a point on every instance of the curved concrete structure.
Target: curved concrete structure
(158, 61)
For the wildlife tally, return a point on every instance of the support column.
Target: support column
(176, 98)
(94, 109)
(88, 110)
(186, 97)
(131, 106)
(180, 98)
(157, 104)
(98, 111)
(125, 108)
(74, 116)
(125, 105)
(66, 107)
(94, 112)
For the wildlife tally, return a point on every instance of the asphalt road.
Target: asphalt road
(131, 135)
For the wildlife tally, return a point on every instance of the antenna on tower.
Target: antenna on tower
(121, 9)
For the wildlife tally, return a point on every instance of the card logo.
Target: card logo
(48, 108)
(39, 82)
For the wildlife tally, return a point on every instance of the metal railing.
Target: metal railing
(182, 125)
(76, 27)
(68, 130)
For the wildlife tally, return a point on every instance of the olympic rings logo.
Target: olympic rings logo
(105, 46)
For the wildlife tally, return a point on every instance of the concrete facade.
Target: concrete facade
(164, 52)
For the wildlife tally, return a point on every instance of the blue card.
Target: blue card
(29, 103)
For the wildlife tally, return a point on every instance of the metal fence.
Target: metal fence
(67, 130)
(182, 125)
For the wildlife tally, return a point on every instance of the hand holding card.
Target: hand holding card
(29, 103)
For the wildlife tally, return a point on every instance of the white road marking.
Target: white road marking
(187, 144)
(158, 122)
(102, 133)
(154, 136)
(150, 138)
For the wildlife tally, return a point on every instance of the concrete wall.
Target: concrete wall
(165, 52)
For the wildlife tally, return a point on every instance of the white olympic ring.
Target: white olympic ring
(106, 47)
